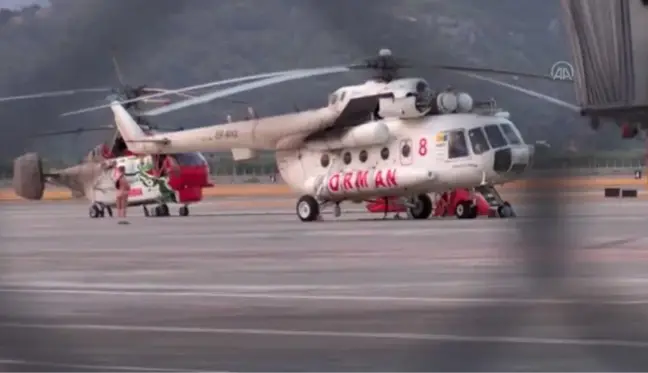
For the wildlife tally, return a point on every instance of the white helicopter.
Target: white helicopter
(155, 179)
(387, 138)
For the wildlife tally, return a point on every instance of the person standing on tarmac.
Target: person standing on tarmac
(123, 187)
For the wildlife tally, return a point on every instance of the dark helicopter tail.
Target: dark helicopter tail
(28, 176)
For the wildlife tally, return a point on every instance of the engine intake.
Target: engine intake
(404, 107)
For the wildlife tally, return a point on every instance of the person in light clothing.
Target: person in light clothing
(123, 187)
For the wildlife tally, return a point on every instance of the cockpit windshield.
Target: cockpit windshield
(495, 136)
(478, 141)
(189, 159)
(510, 134)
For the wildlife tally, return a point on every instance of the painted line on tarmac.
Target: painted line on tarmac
(56, 232)
(434, 300)
(105, 368)
(151, 287)
(333, 334)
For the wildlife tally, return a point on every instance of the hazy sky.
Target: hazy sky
(19, 3)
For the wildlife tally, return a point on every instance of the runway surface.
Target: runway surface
(236, 288)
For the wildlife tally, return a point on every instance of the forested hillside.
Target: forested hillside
(178, 43)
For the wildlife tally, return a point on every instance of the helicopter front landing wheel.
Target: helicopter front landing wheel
(505, 211)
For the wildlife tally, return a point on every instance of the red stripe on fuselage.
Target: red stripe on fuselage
(135, 192)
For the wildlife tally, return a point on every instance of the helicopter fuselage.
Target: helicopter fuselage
(430, 154)
(177, 178)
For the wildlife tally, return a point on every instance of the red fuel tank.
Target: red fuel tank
(188, 182)
(447, 204)
(388, 204)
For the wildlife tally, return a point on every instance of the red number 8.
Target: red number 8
(423, 147)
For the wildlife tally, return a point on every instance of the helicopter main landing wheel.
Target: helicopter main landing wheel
(308, 209)
(466, 210)
(184, 211)
(422, 208)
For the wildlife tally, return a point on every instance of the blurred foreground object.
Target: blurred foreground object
(609, 45)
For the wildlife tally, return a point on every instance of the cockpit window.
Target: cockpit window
(333, 99)
(478, 141)
(189, 159)
(510, 134)
(495, 137)
(457, 145)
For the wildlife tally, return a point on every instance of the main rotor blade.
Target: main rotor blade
(187, 89)
(497, 71)
(118, 72)
(528, 92)
(162, 90)
(74, 131)
(162, 101)
(246, 87)
(54, 94)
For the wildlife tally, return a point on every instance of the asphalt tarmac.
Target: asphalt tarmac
(244, 286)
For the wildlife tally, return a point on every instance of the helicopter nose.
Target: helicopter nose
(513, 160)
(503, 160)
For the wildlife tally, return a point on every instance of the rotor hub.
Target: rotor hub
(385, 63)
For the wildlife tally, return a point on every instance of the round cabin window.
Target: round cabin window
(406, 150)
(384, 153)
(347, 158)
(363, 156)
(325, 160)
